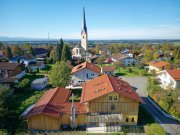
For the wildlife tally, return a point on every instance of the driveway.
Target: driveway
(139, 84)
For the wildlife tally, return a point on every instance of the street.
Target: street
(170, 125)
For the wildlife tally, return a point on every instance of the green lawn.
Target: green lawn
(125, 71)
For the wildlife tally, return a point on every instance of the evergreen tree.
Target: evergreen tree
(60, 74)
(58, 50)
(8, 52)
(66, 53)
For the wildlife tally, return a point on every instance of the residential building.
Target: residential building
(125, 59)
(84, 72)
(108, 70)
(170, 78)
(36, 65)
(40, 83)
(158, 66)
(106, 104)
(11, 72)
(25, 59)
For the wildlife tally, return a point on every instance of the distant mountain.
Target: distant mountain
(4, 38)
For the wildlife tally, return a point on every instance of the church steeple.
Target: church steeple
(84, 34)
(84, 28)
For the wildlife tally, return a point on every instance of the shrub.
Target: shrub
(24, 84)
(130, 70)
(142, 72)
(155, 129)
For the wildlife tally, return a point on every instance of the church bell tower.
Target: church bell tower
(84, 34)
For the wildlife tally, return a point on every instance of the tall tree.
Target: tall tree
(16, 50)
(66, 53)
(8, 52)
(58, 50)
(60, 74)
(100, 60)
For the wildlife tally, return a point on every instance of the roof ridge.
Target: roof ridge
(55, 93)
(110, 82)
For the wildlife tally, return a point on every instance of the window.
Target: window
(86, 75)
(132, 120)
(110, 98)
(127, 119)
(112, 107)
(115, 98)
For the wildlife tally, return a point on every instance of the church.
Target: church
(81, 51)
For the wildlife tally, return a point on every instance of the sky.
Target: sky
(106, 19)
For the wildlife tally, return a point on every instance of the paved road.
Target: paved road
(170, 125)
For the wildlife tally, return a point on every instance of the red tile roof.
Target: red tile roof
(108, 68)
(50, 102)
(158, 64)
(9, 66)
(87, 65)
(174, 73)
(55, 102)
(105, 84)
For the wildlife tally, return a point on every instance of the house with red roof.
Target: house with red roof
(106, 104)
(170, 78)
(158, 66)
(84, 72)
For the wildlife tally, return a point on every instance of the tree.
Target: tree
(155, 56)
(16, 50)
(60, 74)
(8, 113)
(1, 45)
(100, 60)
(52, 55)
(119, 64)
(29, 49)
(148, 55)
(97, 48)
(8, 52)
(58, 51)
(66, 53)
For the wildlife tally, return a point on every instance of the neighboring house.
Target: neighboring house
(158, 66)
(109, 70)
(35, 65)
(127, 52)
(40, 52)
(126, 60)
(39, 83)
(106, 104)
(11, 72)
(84, 72)
(25, 59)
(170, 78)
(104, 51)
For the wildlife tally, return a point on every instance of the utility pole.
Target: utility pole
(73, 113)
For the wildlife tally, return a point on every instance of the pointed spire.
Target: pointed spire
(84, 28)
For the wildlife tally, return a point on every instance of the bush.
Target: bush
(23, 85)
(142, 72)
(130, 70)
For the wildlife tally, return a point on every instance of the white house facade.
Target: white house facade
(82, 76)
(126, 60)
(84, 72)
(170, 79)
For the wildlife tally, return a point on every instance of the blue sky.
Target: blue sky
(106, 19)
